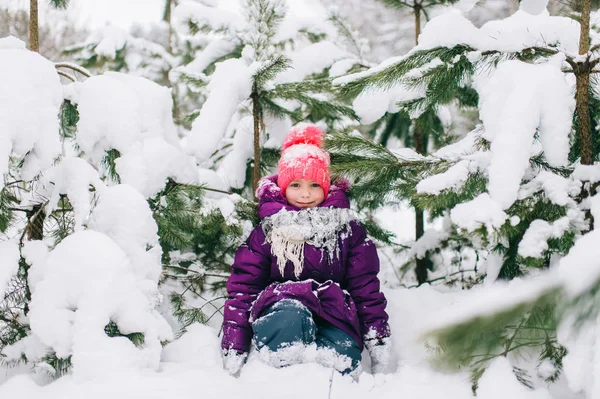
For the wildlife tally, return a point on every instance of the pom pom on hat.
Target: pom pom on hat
(310, 134)
(303, 158)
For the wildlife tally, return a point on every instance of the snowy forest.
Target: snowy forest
(130, 157)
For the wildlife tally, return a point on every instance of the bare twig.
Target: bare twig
(74, 67)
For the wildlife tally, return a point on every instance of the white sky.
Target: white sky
(94, 13)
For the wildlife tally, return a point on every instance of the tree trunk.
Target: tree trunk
(35, 222)
(582, 70)
(421, 264)
(582, 75)
(417, 11)
(256, 115)
(34, 35)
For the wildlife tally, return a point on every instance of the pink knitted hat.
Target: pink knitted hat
(303, 158)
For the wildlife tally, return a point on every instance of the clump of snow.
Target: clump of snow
(499, 382)
(312, 59)
(212, 52)
(110, 39)
(233, 165)
(480, 211)
(516, 100)
(12, 42)
(580, 268)
(199, 346)
(529, 27)
(123, 214)
(590, 173)
(37, 91)
(453, 177)
(533, 7)
(214, 17)
(88, 281)
(430, 240)
(143, 110)
(230, 84)
(73, 177)
(146, 165)
(371, 105)
(132, 115)
(466, 5)
(557, 189)
(535, 240)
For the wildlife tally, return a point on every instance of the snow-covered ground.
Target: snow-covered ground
(191, 368)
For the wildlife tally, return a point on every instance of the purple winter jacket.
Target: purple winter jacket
(343, 291)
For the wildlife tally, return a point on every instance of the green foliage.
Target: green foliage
(69, 116)
(474, 185)
(187, 315)
(377, 232)
(527, 210)
(63, 218)
(110, 166)
(112, 330)
(269, 70)
(60, 4)
(176, 212)
(405, 3)
(378, 174)
(59, 366)
(264, 17)
(513, 329)
(8, 200)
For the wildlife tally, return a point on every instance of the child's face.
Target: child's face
(304, 193)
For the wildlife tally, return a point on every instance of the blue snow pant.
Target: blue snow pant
(289, 322)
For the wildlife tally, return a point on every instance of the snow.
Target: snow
(12, 43)
(529, 27)
(112, 39)
(311, 59)
(373, 104)
(146, 166)
(480, 211)
(143, 111)
(214, 17)
(73, 178)
(498, 382)
(87, 281)
(109, 269)
(123, 214)
(535, 240)
(453, 177)
(516, 101)
(29, 82)
(230, 84)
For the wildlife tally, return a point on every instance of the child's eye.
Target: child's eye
(295, 185)
(315, 185)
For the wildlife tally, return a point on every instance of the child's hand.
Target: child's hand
(233, 361)
(380, 352)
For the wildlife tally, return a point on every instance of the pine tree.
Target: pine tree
(416, 124)
(250, 46)
(536, 228)
(61, 179)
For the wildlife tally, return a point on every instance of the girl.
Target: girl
(307, 275)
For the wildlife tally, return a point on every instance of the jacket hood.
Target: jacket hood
(271, 199)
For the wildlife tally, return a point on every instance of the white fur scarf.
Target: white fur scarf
(288, 231)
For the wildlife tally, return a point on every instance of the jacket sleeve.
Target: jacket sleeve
(249, 276)
(363, 284)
